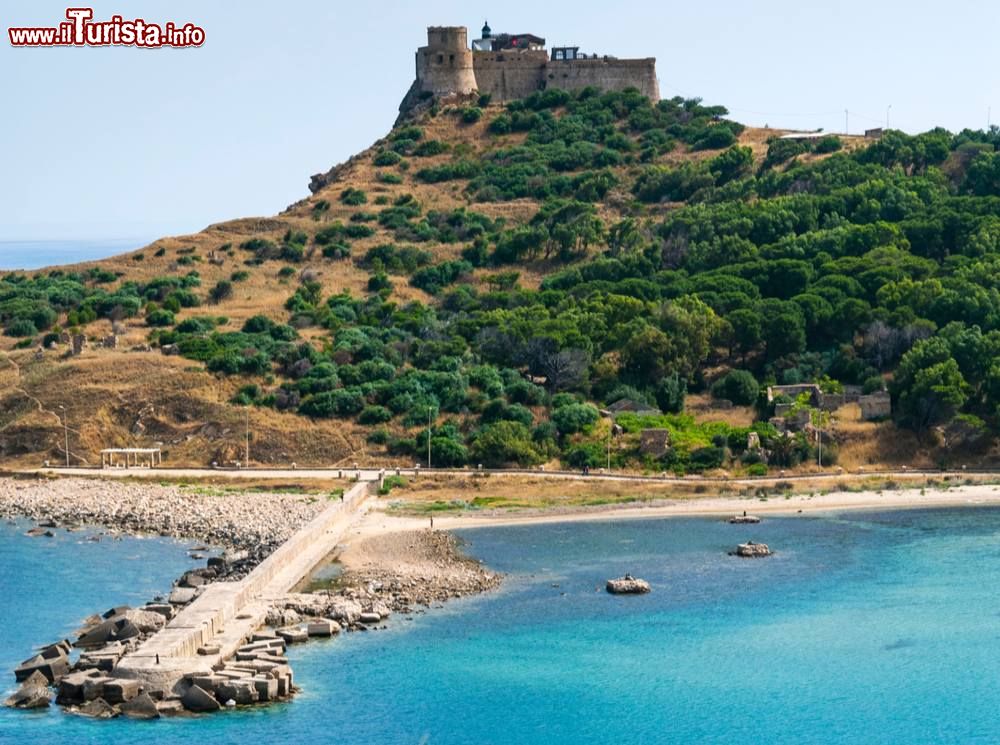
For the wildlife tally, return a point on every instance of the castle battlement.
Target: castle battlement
(512, 66)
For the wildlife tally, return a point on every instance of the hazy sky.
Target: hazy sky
(124, 142)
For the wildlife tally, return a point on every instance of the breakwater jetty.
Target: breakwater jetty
(213, 627)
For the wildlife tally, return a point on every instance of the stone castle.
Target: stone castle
(512, 66)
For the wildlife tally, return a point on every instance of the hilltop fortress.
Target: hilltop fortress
(512, 66)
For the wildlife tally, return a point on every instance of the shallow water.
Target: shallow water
(867, 627)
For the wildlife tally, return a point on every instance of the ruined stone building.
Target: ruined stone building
(512, 66)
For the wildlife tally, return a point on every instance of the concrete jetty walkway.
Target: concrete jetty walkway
(226, 614)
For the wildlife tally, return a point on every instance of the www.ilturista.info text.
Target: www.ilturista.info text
(81, 30)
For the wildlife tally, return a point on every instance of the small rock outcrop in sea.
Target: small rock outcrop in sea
(744, 519)
(751, 550)
(32, 694)
(628, 585)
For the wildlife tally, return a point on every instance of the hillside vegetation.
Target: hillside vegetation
(492, 277)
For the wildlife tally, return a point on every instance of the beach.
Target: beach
(976, 495)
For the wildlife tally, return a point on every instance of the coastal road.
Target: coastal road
(362, 472)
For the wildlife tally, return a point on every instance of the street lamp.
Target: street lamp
(65, 433)
(430, 413)
(247, 459)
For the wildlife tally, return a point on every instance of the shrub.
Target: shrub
(353, 196)
(378, 282)
(471, 114)
(374, 415)
(575, 418)
(407, 133)
(240, 276)
(589, 454)
(336, 251)
(704, 459)
(342, 402)
(20, 327)
(505, 442)
(447, 452)
(160, 317)
(716, 138)
(829, 144)
(389, 178)
(429, 148)
(738, 386)
(386, 158)
(223, 289)
(359, 231)
(670, 393)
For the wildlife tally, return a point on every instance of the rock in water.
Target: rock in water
(628, 585)
(33, 694)
(744, 519)
(751, 550)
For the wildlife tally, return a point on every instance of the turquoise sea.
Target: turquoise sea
(863, 628)
(38, 254)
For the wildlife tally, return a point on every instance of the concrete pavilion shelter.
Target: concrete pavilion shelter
(133, 457)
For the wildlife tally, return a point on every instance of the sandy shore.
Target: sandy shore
(979, 495)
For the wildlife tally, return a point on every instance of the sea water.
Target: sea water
(37, 254)
(864, 627)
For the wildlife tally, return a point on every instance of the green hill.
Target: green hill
(507, 272)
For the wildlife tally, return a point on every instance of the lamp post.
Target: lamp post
(65, 433)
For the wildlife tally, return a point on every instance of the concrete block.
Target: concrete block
(119, 690)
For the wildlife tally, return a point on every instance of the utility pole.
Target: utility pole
(430, 411)
(247, 458)
(847, 126)
(65, 433)
(887, 110)
(611, 428)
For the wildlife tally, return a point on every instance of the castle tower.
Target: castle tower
(444, 66)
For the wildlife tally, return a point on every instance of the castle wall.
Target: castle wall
(508, 75)
(606, 74)
(444, 66)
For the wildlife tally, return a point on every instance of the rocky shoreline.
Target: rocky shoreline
(256, 522)
(395, 572)
(400, 572)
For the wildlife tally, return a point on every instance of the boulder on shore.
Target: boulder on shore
(628, 585)
(751, 550)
